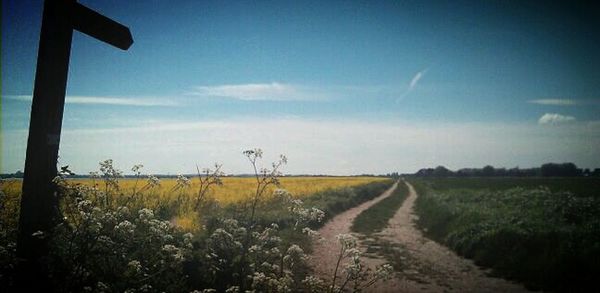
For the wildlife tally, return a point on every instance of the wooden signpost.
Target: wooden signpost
(39, 202)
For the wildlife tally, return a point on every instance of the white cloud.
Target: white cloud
(554, 102)
(554, 118)
(117, 101)
(257, 92)
(320, 146)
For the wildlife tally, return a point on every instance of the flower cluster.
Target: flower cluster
(115, 248)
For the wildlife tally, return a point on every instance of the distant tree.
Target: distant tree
(564, 169)
(425, 172)
(393, 175)
(488, 171)
(441, 171)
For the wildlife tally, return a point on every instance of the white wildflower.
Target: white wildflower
(125, 227)
(135, 265)
(145, 214)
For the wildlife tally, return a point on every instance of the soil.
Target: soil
(425, 266)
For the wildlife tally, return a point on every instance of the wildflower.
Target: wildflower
(122, 211)
(187, 240)
(313, 283)
(281, 193)
(295, 250)
(347, 241)
(136, 168)
(105, 240)
(135, 265)
(153, 181)
(146, 214)
(182, 182)
(254, 248)
(84, 205)
(125, 226)
(101, 287)
(173, 251)
(310, 232)
(38, 234)
(384, 272)
(259, 277)
(57, 180)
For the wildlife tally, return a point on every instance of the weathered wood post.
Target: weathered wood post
(39, 202)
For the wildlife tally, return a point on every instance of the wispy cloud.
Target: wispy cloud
(117, 101)
(324, 146)
(257, 92)
(555, 102)
(565, 102)
(554, 118)
(413, 83)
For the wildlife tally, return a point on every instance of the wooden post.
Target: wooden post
(39, 202)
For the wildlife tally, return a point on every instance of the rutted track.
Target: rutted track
(426, 265)
(325, 252)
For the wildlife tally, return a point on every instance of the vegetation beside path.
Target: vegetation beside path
(543, 236)
(376, 218)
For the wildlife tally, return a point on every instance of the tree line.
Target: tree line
(545, 170)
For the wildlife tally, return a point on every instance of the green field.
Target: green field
(578, 186)
(544, 232)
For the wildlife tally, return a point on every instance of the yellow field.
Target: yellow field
(236, 189)
(233, 190)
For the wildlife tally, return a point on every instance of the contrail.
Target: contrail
(413, 83)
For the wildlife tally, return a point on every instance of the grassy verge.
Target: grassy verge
(546, 239)
(331, 201)
(376, 218)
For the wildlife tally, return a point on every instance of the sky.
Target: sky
(340, 87)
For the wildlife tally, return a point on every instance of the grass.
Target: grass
(546, 237)
(330, 201)
(335, 201)
(376, 218)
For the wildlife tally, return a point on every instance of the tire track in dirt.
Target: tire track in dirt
(325, 252)
(426, 265)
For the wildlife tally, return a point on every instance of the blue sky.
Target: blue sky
(341, 87)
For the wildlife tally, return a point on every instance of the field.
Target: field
(143, 230)
(541, 231)
(578, 186)
(234, 190)
(237, 189)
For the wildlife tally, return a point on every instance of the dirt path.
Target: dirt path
(426, 265)
(325, 252)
